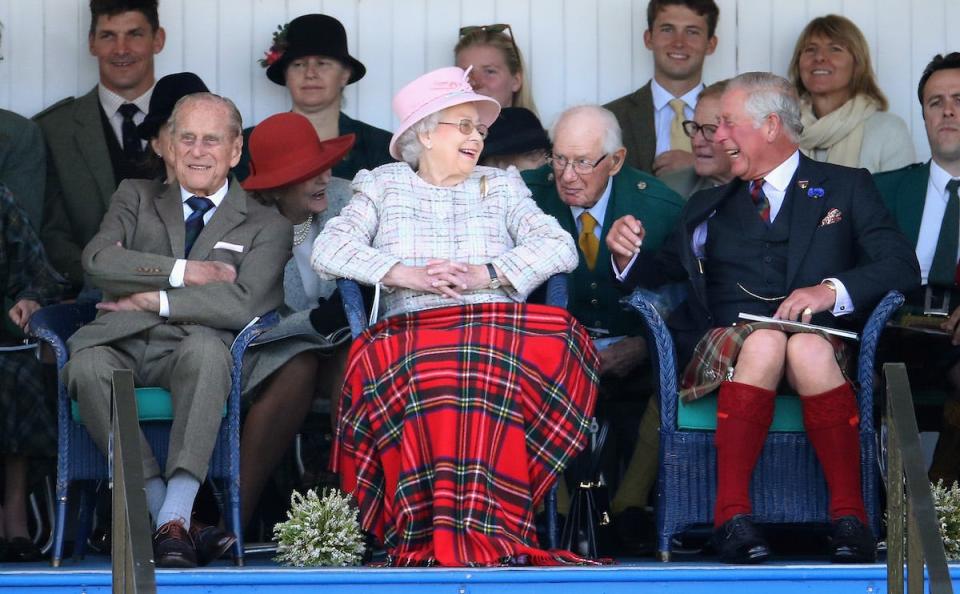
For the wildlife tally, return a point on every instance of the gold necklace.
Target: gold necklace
(301, 230)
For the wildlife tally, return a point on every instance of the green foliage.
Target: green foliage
(947, 502)
(320, 531)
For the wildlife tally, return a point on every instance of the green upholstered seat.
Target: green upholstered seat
(701, 414)
(153, 404)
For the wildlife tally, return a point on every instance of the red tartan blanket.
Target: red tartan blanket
(454, 424)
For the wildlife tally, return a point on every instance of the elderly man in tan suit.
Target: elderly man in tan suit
(183, 267)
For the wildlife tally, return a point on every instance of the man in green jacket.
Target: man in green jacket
(924, 200)
(586, 187)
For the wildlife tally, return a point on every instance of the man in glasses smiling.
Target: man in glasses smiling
(586, 186)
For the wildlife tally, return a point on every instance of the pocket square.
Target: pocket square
(223, 245)
(833, 216)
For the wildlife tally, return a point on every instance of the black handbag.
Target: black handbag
(586, 530)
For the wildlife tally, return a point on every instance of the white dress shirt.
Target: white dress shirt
(111, 103)
(933, 208)
(663, 113)
(597, 211)
(180, 266)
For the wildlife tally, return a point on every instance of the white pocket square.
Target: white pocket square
(223, 245)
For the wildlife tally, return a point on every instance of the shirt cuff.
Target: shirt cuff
(164, 304)
(843, 305)
(176, 275)
(626, 269)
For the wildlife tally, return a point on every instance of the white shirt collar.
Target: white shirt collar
(781, 175)
(939, 177)
(217, 197)
(662, 96)
(111, 102)
(597, 210)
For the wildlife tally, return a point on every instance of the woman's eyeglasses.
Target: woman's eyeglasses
(690, 128)
(467, 127)
(502, 28)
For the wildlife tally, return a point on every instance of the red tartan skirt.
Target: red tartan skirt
(454, 424)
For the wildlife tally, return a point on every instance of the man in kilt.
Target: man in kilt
(793, 239)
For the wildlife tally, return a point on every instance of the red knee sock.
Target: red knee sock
(744, 414)
(832, 422)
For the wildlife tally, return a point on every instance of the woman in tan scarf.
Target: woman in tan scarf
(844, 112)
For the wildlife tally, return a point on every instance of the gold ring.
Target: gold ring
(808, 312)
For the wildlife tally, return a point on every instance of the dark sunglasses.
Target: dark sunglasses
(497, 28)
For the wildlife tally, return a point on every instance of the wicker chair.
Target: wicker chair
(788, 484)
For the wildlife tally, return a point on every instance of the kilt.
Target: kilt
(28, 422)
(716, 354)
(454, 424)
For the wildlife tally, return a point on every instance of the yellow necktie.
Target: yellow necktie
(589, 244)
(678, 138)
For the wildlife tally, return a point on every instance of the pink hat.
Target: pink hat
(436, 91)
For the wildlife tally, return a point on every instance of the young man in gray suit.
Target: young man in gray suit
(183, 267)
(681, 34)
(92, 143)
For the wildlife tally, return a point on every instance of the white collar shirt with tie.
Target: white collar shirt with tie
(597, 211)
(111, 102)
(933, 208)
(663, 113)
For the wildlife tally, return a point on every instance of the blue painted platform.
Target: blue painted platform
(93, 577)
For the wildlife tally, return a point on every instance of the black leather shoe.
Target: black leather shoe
(739, 540)
(852, 541)
(21, 550)
(173, 547)
(211, 541)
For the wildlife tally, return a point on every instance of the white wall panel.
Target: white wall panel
(577, 50)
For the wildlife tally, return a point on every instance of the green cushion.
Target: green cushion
(153, 404)
(701, 414)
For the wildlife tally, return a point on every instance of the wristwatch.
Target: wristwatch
(494, 281)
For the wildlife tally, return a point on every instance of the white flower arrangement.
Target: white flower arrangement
(946, 500)
(320, 531)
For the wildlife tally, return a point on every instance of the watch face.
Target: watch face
(495, 283)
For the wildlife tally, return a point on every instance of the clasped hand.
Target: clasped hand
(441, 277)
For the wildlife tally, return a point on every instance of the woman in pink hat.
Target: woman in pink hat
(462, 405)
(291, 169)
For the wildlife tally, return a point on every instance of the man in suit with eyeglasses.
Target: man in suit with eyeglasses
(796, 240)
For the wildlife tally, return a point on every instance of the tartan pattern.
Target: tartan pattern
(28, 274)
(760, 200)
(28, 422)
(464, 416)
(716, 354)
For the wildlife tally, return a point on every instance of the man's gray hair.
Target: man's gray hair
(612, 135)
(235, 124)
(768, 94)
(409, 145)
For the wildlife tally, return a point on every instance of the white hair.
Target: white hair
(235, 123)
(612, 135)
(768, 94)
(409, 145)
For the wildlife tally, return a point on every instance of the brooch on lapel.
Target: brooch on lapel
(815, 193)
(802, 184)
(833, 216)
(641, 185)
(483, 186)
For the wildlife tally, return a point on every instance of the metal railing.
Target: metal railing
(131, 547)
(913, 533)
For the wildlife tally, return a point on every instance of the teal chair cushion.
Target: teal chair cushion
(153, 404)
(701, 414)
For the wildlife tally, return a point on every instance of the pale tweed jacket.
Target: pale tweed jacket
(395, 216)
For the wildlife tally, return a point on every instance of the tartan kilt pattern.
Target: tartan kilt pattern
(716, 354)
(456, 421)
(28, 419)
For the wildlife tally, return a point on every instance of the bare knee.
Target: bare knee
(761, 359)
(812, 364)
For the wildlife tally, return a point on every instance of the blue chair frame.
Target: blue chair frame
(788, 484)
(79, 459)
(556, 295)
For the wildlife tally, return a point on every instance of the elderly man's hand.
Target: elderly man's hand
(670, 161)
(147, 301)
(624, 239)
(952, 325)
(199, 272)
(22, 310)
(619, 359)
(803, 303)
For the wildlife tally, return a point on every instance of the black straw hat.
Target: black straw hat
(515, 132)
(166, 93)
(315, 35)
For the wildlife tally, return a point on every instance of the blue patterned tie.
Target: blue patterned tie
(194, 223)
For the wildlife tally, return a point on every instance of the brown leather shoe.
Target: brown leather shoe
(211, 541)
(173, 547)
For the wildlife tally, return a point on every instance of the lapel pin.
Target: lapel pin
(815, 193)
(803, 184)
(642, 185)
(549, 177)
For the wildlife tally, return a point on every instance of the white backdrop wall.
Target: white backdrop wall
(578, 51)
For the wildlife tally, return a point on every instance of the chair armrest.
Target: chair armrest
(662, 357)
(557, 293)
(54, 324)
(869, 339)
(353, 305)
(251, 331)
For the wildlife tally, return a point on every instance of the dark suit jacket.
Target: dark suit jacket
(23, 165)
(146, 217)
(904, 192)
(864, 249)
(635, 114)
(80, 180)
(594, 300)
